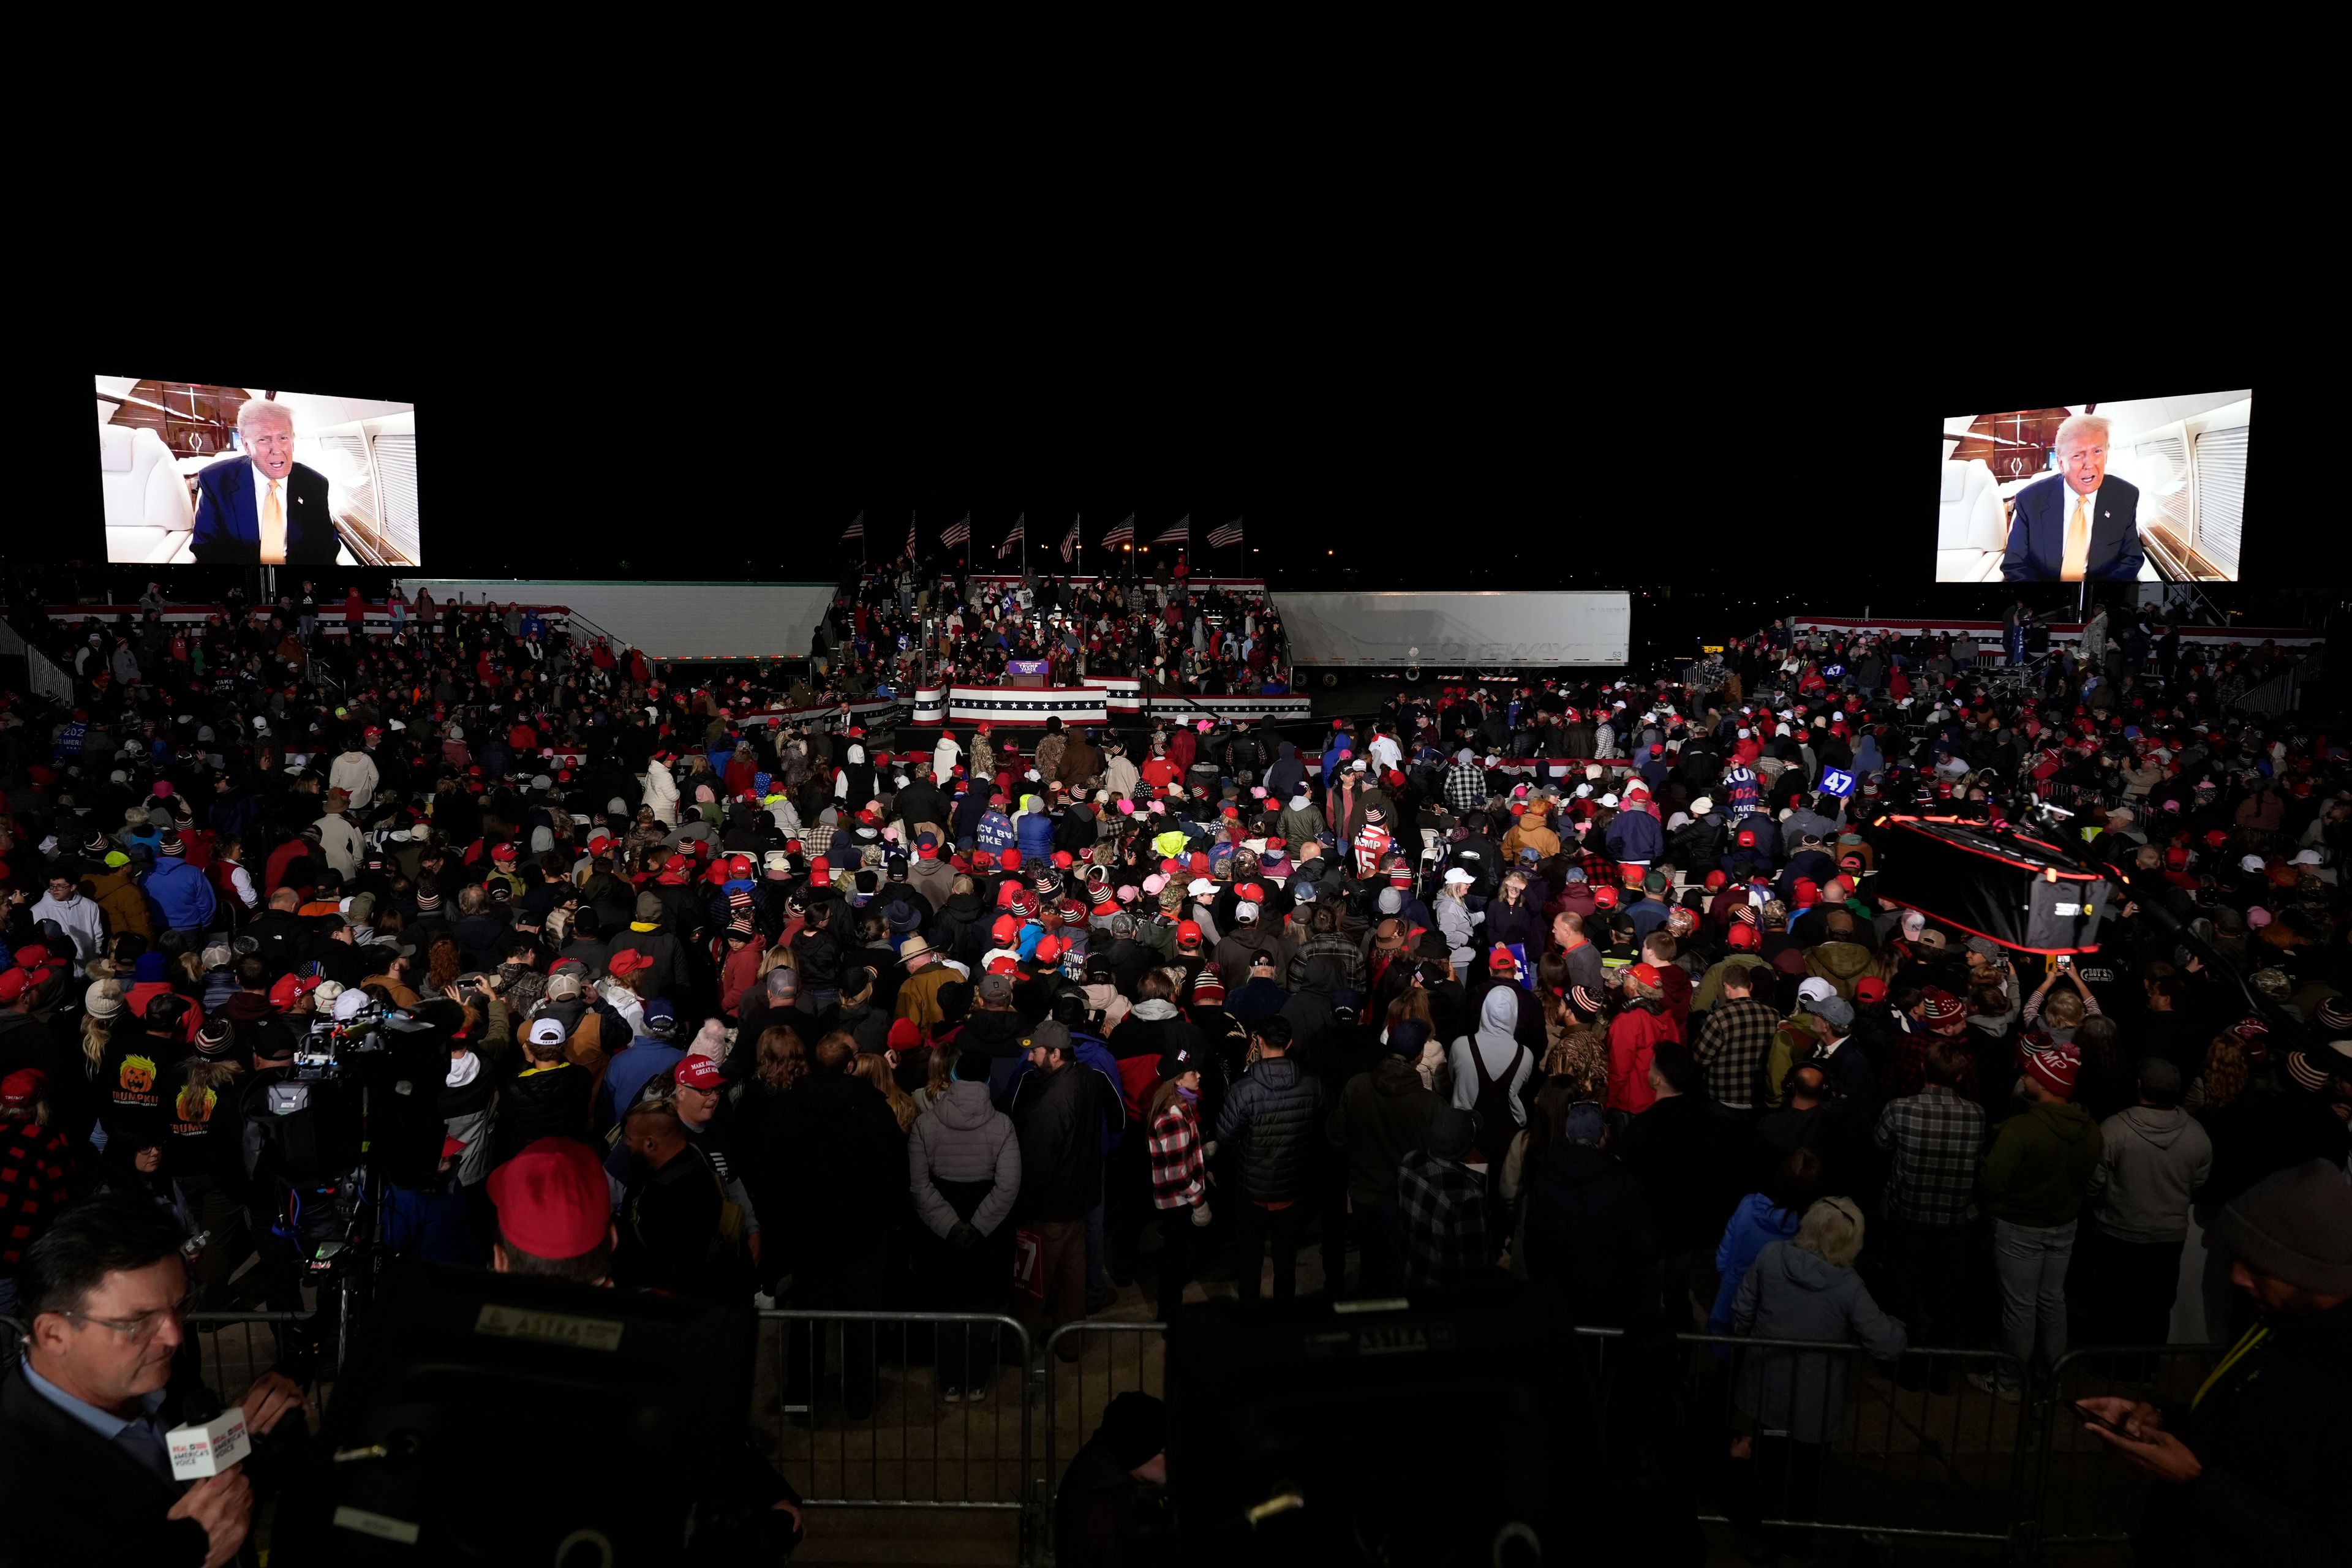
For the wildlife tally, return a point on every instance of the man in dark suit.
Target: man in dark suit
(2075, 525)
(85, 1474)
(262, 508)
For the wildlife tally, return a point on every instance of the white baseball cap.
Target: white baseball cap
(1814, 988)
(1459, 877)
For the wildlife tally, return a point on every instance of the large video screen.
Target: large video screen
(2150, 491)
(240, 475)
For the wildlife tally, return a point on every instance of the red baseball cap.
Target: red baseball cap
(1188, 931)
(628, 961)
(1745, 936)
(1870, 988)
(1009, 857)
(553, 1198)
(699, 1072)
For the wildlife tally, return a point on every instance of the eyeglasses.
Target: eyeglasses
(143, 1328)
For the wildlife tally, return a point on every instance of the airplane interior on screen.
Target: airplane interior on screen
(2186, 455)
(154, 438)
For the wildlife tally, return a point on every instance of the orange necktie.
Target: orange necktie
(273, 530)
(2078, 542)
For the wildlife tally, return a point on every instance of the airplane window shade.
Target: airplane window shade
(345, 459)
(2220, 495)
(396, 458)
(2165, 463)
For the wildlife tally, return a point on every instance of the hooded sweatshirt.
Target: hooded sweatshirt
(2040, 1163)
(2151, 1161)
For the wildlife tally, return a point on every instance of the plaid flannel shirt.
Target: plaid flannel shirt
(1732, 1047)
(1465, 788)
(1179, 1170)
(1937, 1140)
(1443, 1206)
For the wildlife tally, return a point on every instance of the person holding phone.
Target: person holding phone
(2253, 1466)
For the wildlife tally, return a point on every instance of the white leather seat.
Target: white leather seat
(1972, 530)
(149, 518)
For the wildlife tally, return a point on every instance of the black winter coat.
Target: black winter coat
(1274, 1119)
(1060, 1116)
(1590, 1236)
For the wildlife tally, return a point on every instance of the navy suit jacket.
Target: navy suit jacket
(2037, 532)
(228, 516)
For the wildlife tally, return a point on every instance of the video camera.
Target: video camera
(333, 1045)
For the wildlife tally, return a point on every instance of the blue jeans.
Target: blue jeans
(2031, 1262)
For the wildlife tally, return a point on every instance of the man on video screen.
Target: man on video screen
(261, 508)
(2076, 525)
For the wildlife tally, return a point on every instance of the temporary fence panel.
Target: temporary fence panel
(2085, 1494)
(1839, 1442)
(1110, 1359)
(855, 1408)
(235, 1348)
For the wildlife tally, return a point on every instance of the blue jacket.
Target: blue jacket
(182, 895)
(1637, 835)
(1754, 1225)
(995, 831)
(1036, 834)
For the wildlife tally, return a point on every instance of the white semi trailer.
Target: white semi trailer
(1447, 634)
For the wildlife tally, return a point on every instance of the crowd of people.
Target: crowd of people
(894, 627)
(1583, 982)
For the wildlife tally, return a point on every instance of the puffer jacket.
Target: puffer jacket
(1033, 832)
(1792, 1294)
(962, 1138)
(2150, 1161)
(1382, 1115)
(1271, 1117)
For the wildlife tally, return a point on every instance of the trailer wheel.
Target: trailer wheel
(1330, 680)
(1412, 675)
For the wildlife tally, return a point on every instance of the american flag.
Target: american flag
(910, 536)
(1123, 533)
(1182, 534)
(958, 531)
(1012, 537)
(1229, 534)
(1070, 540)
(857, 530)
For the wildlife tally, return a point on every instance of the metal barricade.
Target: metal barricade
(1838, 1442)
(235, 1348)
(1114, 1358)
(855, 1408)
(2086, 1494)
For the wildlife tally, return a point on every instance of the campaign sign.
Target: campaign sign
(1839, 784)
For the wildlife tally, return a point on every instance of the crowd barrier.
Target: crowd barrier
(233, 1349)
(851, 1408)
